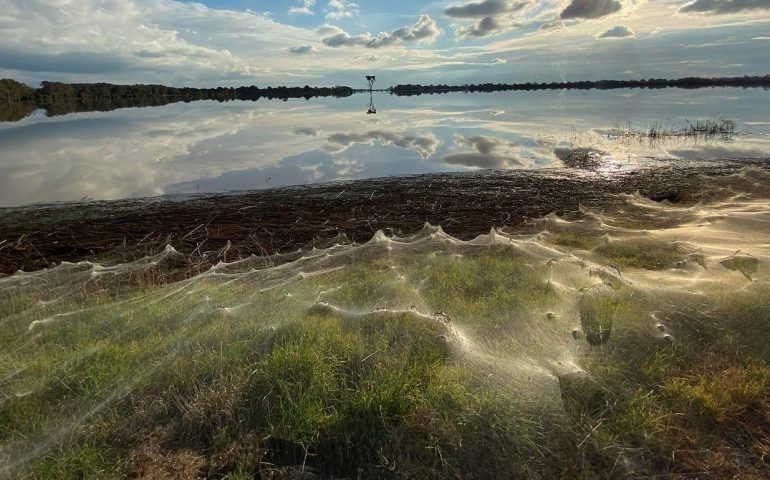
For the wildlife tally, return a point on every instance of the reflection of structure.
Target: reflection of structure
(372, 109)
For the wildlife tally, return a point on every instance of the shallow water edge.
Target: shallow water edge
(230, 226)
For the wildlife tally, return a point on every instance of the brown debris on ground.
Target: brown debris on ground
(217, 227)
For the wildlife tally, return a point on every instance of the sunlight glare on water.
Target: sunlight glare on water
(206, 147)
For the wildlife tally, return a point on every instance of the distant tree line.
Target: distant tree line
(690, 82)
(18, 100)
(12, 91)
(90, 91)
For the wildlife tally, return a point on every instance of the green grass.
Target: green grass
(646, 254)
(572, 240)
(377, 389)
(486, 291)
(237, 377)
(602, 308)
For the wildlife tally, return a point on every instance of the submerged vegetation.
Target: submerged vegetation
(626, 342)
(722, 128)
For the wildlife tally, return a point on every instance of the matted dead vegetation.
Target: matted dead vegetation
(212, 228)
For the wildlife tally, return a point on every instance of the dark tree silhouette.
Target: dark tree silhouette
(12, 91)
(62, 98)
(690, 82)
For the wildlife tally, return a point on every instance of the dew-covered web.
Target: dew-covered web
(523, 310)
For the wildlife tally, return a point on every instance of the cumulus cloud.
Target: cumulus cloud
(490, 152)
(715, 7)
(494, 17)
(337, 9)
(327, 29)
(303, 49)
(425, 30)
(485, 27)
(590, 9)
(425, 144)
(485, 8)
(189, 43)
(304, 8)
(346, 168)
(127, 159)
(618, 31)
(134, 40)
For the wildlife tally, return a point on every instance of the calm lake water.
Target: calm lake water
(216, 147)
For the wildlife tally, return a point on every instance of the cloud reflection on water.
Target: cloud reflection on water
(212, 147)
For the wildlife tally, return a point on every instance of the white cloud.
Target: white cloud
(488, 152)
(424, 144)
(157, 39)
(490, 17)
(715, 7)
(337, 9)
(347, 169)
(148, 152)
(425, 30)
(304, 8)
(187, 43)
(178, 43)
(110, 159)
(302, 49)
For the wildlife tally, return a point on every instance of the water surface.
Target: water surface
(218, 147)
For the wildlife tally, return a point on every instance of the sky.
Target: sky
(336, 42)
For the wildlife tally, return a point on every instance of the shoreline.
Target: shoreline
(235, 225)
(18, 100)
(652, 84)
